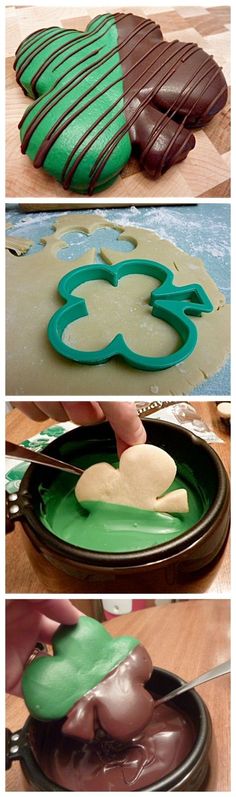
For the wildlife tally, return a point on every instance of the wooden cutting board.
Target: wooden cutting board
(206, 170)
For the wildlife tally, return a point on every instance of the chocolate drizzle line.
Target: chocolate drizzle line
(159, 127)
(118, 47)
(54, 55)
(65, 47)
(69, 86)
(125, 128)
(38, 50)
(82, 48)
(105, 154)
(51, 137)
(28, 41)
(177, 53)
(44, 149)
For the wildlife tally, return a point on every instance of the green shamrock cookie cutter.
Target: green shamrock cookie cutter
(171, 303)
(84, 654)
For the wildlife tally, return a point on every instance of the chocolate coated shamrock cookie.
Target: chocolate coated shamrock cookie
(118, 87)
(97, 681)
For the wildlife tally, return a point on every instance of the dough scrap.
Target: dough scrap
(145, 473)
(34, 368)
(18, 245)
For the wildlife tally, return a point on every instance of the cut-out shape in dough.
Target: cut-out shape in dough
(75, 243)
(144, 475)
(169, 303)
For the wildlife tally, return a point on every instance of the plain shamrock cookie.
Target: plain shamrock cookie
(118, 87)
(144, 474)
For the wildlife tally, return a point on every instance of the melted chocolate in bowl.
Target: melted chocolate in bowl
(107, 765)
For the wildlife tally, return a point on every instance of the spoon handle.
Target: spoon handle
(221, 669)
(20, 452)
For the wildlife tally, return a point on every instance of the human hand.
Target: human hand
(122, 416)
(28, 622)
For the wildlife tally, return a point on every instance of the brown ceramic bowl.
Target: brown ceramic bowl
(191, 775)
(63, 567)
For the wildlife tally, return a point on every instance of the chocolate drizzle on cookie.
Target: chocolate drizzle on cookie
(166, 88)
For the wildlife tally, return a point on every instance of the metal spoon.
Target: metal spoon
(221, 669)
(20, 452)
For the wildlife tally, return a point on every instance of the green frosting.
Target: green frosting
(111, 528)
(84, 654)
(81, 102)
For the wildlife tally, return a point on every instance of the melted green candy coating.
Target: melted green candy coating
(112, 528)
(70, 72)
(84, 654)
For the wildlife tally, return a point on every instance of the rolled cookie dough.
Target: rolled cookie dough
(34, 368)
(144, 474)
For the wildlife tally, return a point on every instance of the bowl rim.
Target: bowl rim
(168, 550)
(200, 747)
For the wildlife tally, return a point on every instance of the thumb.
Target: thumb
(125, 422)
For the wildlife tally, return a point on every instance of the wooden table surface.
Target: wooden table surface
(20, 576)
(188, 638)
(206, 170)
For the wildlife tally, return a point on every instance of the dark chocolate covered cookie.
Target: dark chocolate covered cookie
(93, 681)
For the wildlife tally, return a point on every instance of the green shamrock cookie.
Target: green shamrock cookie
(84, 655)
(115, 88)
